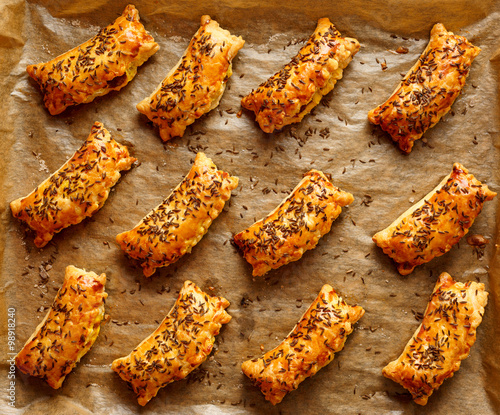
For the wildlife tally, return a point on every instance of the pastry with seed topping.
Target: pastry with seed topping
(77, 190)
(68, 330)
(432, 226)
(443, 339)
(180, 344)
(321, 332)
(174, 227)
(105, 63)
(428, 90)
(196, 84)
(295, 226)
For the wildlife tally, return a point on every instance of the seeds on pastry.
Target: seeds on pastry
(105, 63)
(295, 90)
(321, 332)
(180, 344)
(428, 90)
(174, 227)
(196, 84)
(68, 330)
(432, 226)
(443, 339)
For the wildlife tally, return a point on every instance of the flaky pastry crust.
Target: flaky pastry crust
(443, 340)
(437, 222)
(295, 226)
(179, 345)
(428, 90)
(196, 84)
(77, 190)
(295, 90)
(105, 63)
(312, 344)
(174, 227)
(69, 329)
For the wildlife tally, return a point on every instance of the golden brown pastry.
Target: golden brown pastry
(428, 90)
(295, 226)
(196, 84)
(105, 63)
(179, 345)
(175, 226)
(77, 190)
(69, 329)
(432, 226)
(443, 340)
(294, 91)
(312, 344)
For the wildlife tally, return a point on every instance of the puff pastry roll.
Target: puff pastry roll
(443, 340)
(69, 329)
(312, 344)
(428, 90)
(105, 63)
(179, 345)
(175, 226)
(295, 226)
(77, 190)
(437, 222)
(196, 84)
(294, 91)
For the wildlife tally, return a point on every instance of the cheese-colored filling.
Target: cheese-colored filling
(320, 93)
(218, 94)
(92, 334)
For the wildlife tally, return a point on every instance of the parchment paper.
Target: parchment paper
(337, 139)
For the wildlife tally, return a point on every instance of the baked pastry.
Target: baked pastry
(196, 84)
(443, 340)
(179, 345)
(295, 226)
(77, 190)
(105, 63)
(428, 90)
(432, 226)
(312, 344)
(175, 226)
(295, 90)
(68, 330)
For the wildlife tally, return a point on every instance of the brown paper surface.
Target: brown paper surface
(360, 158)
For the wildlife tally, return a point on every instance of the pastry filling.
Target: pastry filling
(91, 336)
(118, 81)
(320, 93)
